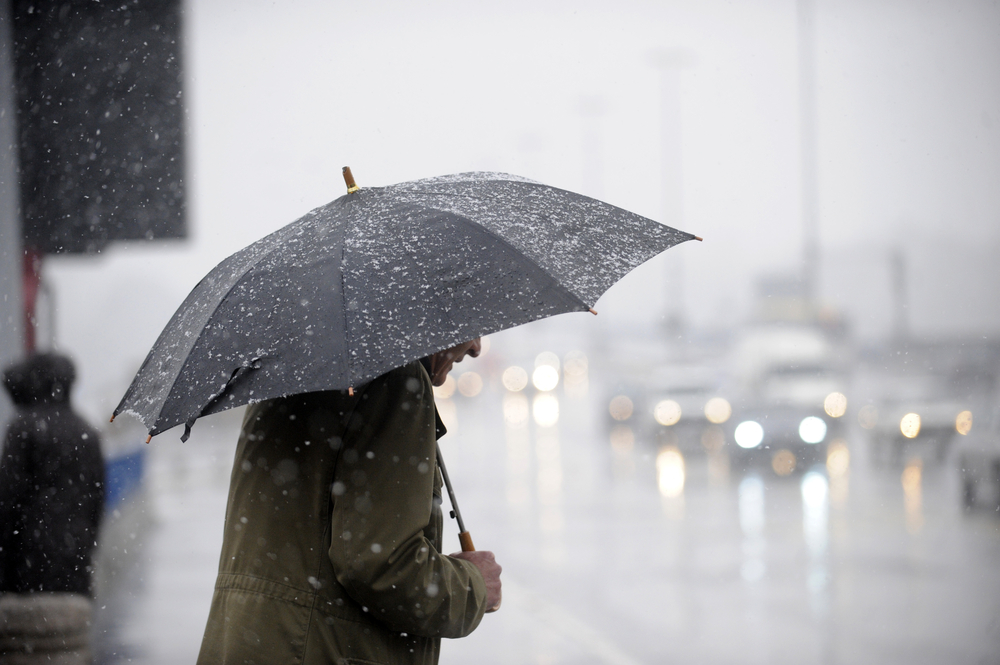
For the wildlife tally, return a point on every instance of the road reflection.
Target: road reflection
(815, 513)
(752, 521)
(624, 543)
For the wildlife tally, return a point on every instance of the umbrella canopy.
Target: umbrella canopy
(379, 278)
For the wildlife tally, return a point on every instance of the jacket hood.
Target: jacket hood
(44, 378)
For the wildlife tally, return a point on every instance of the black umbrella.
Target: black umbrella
(379, 278)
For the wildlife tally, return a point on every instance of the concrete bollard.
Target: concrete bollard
(50, 628)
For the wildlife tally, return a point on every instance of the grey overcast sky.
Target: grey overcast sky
(280, 95)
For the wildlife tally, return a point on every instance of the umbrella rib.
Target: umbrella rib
(153, 429)
(556, 282)
(461, 214)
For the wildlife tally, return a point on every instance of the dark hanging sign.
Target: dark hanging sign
(101, 122)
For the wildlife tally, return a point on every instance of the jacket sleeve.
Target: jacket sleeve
(382, 504)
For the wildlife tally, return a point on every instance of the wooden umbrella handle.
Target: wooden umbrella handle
(465, 538)
(349, 180)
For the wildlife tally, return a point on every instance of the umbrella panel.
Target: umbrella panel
(379, 278)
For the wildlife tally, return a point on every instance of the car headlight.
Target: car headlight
(812, 429)
(620, 407)
(718, 410)
(909, 425)
(835, 405)
(748, 434)
(667, 412)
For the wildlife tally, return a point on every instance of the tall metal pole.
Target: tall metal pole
(807, 148)
(669, 64)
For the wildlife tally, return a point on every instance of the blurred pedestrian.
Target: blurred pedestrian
(51, 502)
(332, 546)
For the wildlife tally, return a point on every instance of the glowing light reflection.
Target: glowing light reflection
(622, 438)
(575, 364)
(545, 410)
(838, 458)
(670, 472)
(446, 389)
(963, 422)
(713, 438)
(815, 494)
(783, 462)
(835, 405)
(547, 359)
(667, 412)
(514, 378)
(545, 378)
(718, 410)
(812, 429)
(868, 416)
(748, 434)
(620, 407)
(449, 414)
(815, 511)
(470, 384)
(751, 509)
(912, 495)
(909, 425)
(515, 410)
(575, 377)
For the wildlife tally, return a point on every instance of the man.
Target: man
(51, 503)
(332, 540)
(51, 483)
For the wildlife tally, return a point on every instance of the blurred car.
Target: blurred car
(917, 425)
(926, 387)
(668, 404)
(683, 404)
(793, 399)
(978, 454)
(785, 437)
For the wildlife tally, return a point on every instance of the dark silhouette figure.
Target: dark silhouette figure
(51, 483)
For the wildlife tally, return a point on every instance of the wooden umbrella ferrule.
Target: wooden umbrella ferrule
(349, 179)
(699, 239)
(593, 311)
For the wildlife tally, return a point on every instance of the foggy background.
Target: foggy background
(280, 96)
(619, 544)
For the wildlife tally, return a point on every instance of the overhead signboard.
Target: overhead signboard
(100, 121)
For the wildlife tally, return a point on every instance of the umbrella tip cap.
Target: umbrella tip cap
(112, 419)
(593, 311)
(699, 239)
(149, 438)
(349, 179)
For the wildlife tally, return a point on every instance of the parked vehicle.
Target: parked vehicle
(978, 456)
(921, 425)
(792, 400)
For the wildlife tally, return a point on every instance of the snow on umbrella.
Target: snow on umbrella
(379, 278)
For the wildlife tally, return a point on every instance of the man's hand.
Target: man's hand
(490, 571)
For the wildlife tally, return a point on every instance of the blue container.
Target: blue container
(123, 475)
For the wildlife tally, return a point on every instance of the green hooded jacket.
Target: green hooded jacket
(332, 538)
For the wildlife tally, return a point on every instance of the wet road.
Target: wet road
(618, 554)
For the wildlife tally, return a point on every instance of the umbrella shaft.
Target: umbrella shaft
(451, 492)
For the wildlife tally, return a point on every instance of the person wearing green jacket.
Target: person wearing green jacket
(332, 546)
